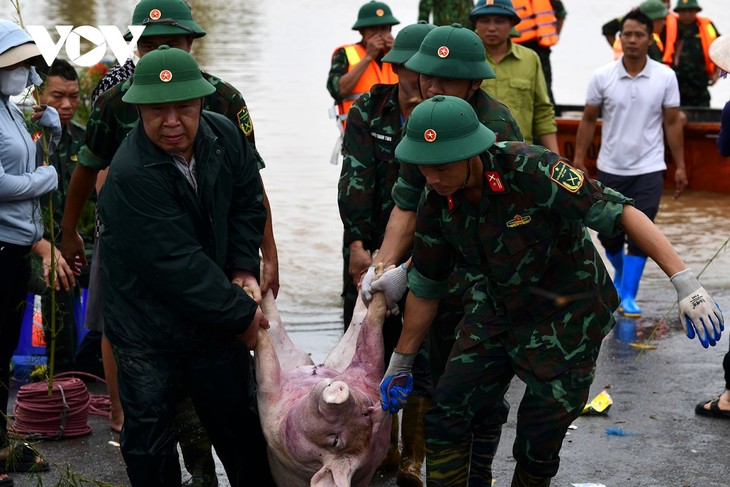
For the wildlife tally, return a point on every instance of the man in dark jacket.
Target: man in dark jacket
(181, 221)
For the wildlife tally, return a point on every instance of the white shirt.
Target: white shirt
(632, 138)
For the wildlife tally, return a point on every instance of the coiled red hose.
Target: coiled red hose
(63, 414)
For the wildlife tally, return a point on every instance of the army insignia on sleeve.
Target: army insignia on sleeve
(567, 176)
(244, 121)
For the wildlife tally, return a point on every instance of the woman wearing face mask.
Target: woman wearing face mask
(21, 229)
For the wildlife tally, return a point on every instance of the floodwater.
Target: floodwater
(277, 53)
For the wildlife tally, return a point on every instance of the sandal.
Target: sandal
(22, 458)
(714, 411)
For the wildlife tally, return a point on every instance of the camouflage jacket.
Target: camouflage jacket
(690, 67)
(111, 120)
(446, 12)
(64, 159)
(369, 168)
(528, 237)
(493, 114)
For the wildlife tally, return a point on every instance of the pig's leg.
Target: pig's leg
(290, 356)
(341, 355)
(369, 349)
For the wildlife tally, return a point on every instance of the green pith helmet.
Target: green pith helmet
(165, 18)
(687, 5)
(167, 75)
(374, 13)
(495, 7)
(451, 51)
(407, 42)
(654, 9)
(441, 130)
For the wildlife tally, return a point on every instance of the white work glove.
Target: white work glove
(393, 283)
(697, 310)
(367, 281)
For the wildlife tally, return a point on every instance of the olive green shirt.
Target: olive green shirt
(520, 84)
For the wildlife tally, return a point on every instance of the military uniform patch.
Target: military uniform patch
(244, 121)
(567, 176)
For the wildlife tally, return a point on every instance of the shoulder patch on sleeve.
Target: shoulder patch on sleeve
(244, 121)
(567, 176)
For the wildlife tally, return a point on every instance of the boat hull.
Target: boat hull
(707, 170)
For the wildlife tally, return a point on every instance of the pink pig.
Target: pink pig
(323, 423)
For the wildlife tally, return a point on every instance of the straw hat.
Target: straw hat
(720, 52)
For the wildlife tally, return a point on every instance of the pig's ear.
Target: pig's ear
(337, 476)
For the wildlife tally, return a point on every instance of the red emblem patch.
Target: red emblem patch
(380, 12)
(430, 135)
(495, 182)
(443, 52)
(450, 202)
(155, 14)
(165, 76)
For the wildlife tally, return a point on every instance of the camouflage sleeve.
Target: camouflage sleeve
(101, 136)
(424, 9)
(229, 102)
(357, 184)
(556, 185)
(611, 27)
(559, 8)
(408, 188)
(338, 68)
(433, 256)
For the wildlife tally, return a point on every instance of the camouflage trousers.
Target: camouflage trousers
(468, 399)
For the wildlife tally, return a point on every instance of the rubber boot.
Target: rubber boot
(633, 269)
(485, 441)
(414, 443)
(195, 445)
(617, 261)
(523, 479)
(392, 458)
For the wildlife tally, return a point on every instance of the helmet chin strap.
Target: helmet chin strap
(468, 174)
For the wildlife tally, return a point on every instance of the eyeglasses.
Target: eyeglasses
(168, 21)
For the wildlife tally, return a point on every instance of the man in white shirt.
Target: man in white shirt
(639, 99)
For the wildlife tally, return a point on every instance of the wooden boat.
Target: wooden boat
(707, 170)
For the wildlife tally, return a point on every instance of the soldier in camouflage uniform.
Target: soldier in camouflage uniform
(451, 60)
(445, 12)
(690, 61)
(60, 90)
(369, 171)
(167, 22)
(519, 213)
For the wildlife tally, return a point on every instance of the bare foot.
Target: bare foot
(116, 422)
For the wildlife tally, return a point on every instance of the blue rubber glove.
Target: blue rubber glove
(697, 310)
(397, 383)
(393, 284)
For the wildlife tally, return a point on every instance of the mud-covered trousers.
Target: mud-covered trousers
(478, 374)
(217, 379)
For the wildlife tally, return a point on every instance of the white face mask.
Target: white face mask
(15, 81)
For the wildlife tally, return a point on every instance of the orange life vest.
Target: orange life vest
(707, 36)
(538, 22)
(374, 74)
(618, 50)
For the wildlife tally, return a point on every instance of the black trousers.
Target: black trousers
(14, 278)
(217, 380)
